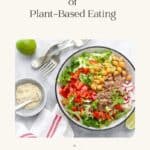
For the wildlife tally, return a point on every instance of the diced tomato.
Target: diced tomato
(74, 108)
(93, 62)
(75, 75)
(96, 114)
(84, 88)
(118, 107)
(107, 116)
(81, 109)
(78, 99)
(93, 95)
(64, 91)
(101, 115)
(84, 70)
(78, 85)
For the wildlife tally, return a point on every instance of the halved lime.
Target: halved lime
(26, 46)
(130, 122)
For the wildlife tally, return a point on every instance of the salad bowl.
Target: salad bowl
(95, 88)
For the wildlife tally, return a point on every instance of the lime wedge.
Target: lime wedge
(26, 46)
(130, 122)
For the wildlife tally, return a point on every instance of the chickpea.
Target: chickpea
(124, 73)
(113, 69)
(95, 78)
(121, 64)
(109, 70)
(121, 59)
(115, 63)
(114, 58)
(99, 66)
(97, 81)
(116, 73)
(107, 64)
(99, 87)
(93, 86)
(92, 71)
(128, 78)
(101, 80)
(104, 72)
(119, 69)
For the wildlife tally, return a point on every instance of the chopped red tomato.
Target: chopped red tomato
(74, 108)
(101, 115)
(118, 107)
(93, 62)
(84, 70)
(78, 99)
(81, 109)
(107, 115)
(64, 91)
(78, 85)
(84, 88)
(76, 74)
(96, 114)
(75, 87)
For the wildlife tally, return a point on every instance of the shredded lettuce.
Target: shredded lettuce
(90, 122)
(117, 97)
(65, 76)
(103, 56)
(86, 79)
(74, 63)
(73, 113)
(95, 104)
(70, 102)
(121, 114)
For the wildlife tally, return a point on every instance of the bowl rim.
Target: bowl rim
(56, 83)
(39, 108)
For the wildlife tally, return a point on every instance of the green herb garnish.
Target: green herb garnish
(86, 79)
(117, 97)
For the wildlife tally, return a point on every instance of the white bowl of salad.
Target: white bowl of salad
(95, 88)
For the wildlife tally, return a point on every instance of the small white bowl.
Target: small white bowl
(31, 112)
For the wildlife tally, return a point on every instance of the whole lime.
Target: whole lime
(26, 46)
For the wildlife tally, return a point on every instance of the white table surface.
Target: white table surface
(23, 69)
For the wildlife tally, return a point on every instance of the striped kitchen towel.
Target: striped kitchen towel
(47, 124)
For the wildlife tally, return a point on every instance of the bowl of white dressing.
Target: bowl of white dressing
(33, 90)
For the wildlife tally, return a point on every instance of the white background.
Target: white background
(132, 25)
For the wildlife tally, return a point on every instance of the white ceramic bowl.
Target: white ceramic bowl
(67, 62)
(31, 112)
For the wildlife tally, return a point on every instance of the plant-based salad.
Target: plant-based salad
(96, 88)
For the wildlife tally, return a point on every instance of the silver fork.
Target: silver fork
(48, 67)
(53, 50)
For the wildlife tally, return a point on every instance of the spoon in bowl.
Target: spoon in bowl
(23, 104)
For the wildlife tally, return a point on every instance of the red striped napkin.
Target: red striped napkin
(47, 124)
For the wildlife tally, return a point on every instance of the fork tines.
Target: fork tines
(48, 67)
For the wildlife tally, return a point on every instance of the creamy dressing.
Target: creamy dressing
(28, 91)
